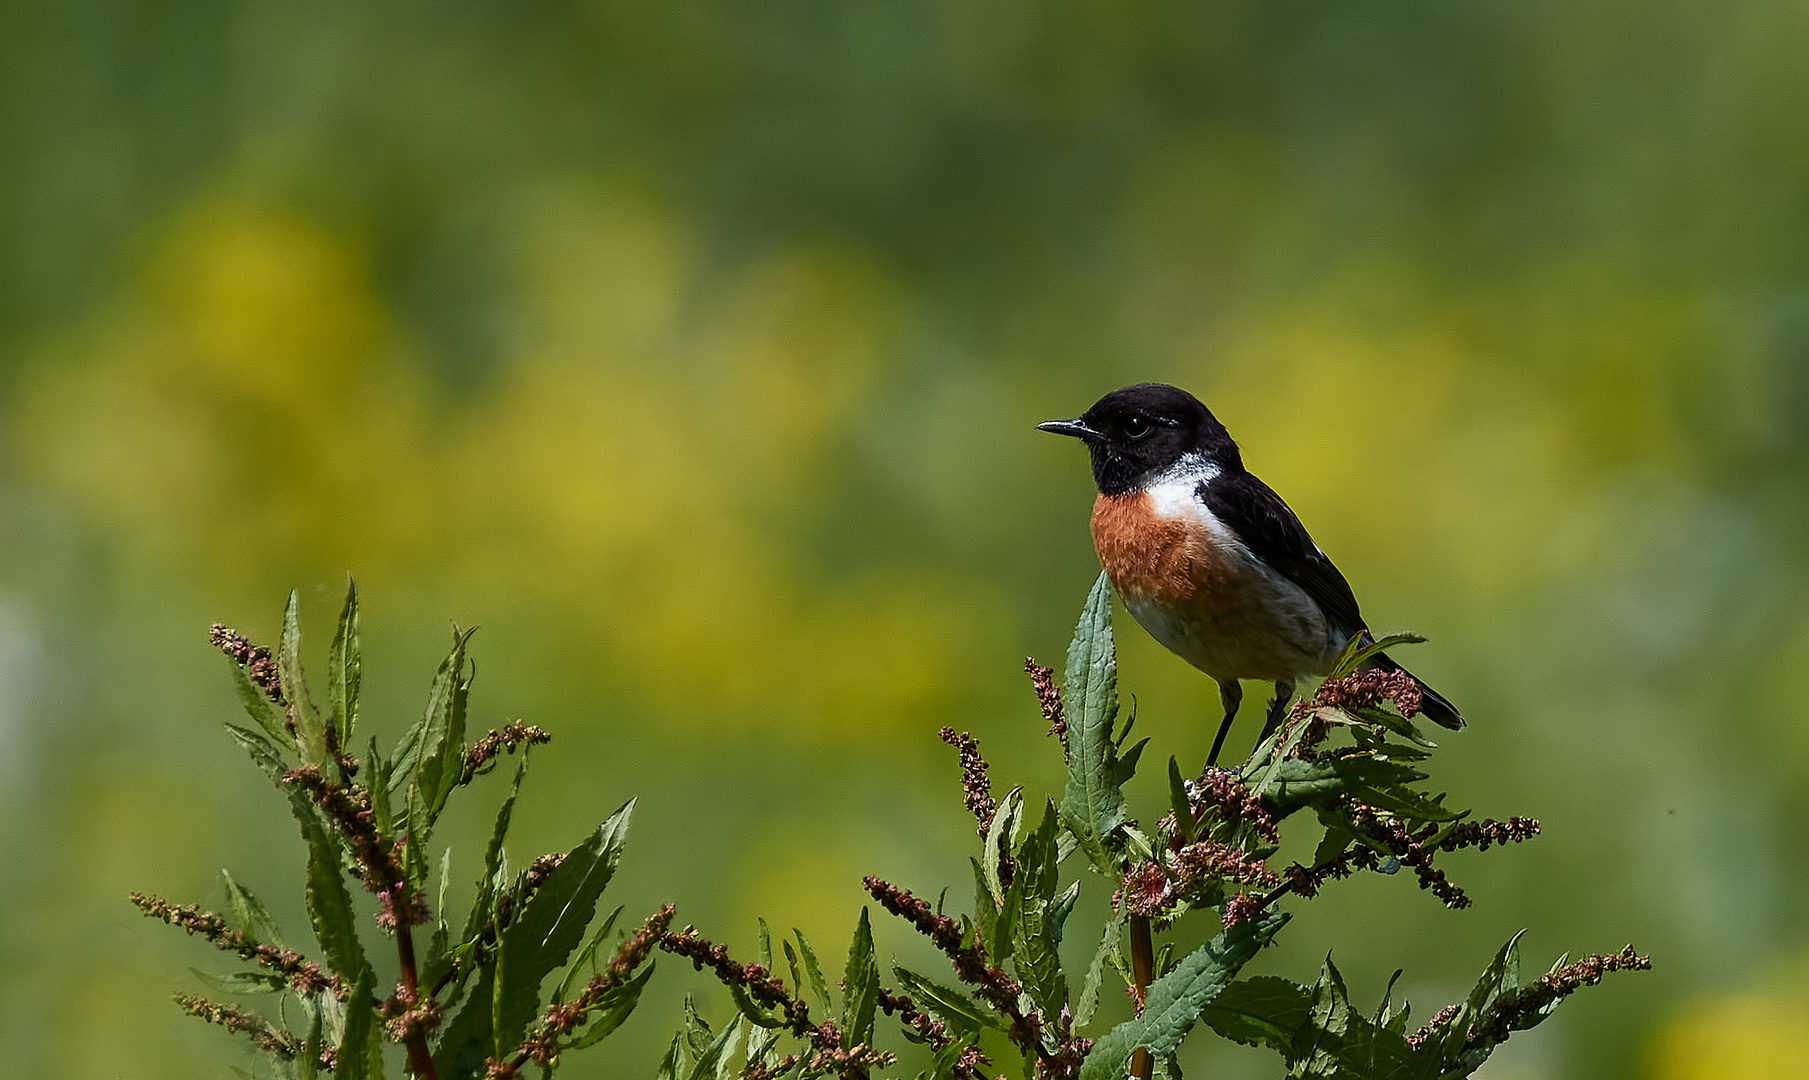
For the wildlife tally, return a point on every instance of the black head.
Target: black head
(1137, 432)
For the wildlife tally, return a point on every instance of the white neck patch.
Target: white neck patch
(1171, 491)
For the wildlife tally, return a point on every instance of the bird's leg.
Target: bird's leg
(1231, 694)
(1284, 696)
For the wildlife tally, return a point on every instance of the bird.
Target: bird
(1209, 560)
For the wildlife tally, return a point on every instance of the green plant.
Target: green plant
(472, 1004)
(1208, 857)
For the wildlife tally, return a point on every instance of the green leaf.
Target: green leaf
(717, 1053)
(481, 907)
(986, 909)
(242, 982)
(440, 754)
(1337, 1043)
(330, 905)
(1264, 1011)
(1005, 927)
(1356, 652)
(1034, 955)
(612, 1009)
(307, 1063)
(952, 1007)
(860, 987)
(378, 778)
(1061, 907)
(263, 754)
(1298, 783)
(1092, 804)
(361, 1046)
(1176, 1000)
(675, 1064)
(945, 1064)
(1404, 802)
(763, 949)
(252, 916)
(551, 924)
(345, 667)
(586, 959)
(1107, 951)
(756, 1014)
(1391, 720)
(1315, 1053)
(818, 986)
(310, 733)
(1501, 976)
(260, 708)
(1001, 837)
(1177, 802)
(467, 1040)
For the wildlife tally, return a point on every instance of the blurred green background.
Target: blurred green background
(693, 351)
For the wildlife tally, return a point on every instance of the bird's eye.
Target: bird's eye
(1137, 427)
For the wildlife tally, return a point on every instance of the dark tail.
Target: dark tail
(1432, 703)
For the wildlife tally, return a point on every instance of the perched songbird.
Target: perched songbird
(1209, 560)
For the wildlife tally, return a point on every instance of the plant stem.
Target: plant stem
(420, 1061)
(1143, 972)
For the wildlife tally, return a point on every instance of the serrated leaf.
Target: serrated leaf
(813, 972)
(1315, 1051)
(440, 756)
(1001, 837)
(1502, 976)
(1298, 783)
(307, 1063)
(1394, 722)
(1263, 1011)
(1404, 802)
(1356, 652)
(1107, 951)
(716, 1054)
(986, 909)
(310, 733)
(612, 1009)
(674, 1066)
(1005, 927)
(1092, 804)
(263, 754)
(1126, 765)
(954, 1008)
(260, 708)
(252, 916)
(467, 1040)
(755, 1013)
(1179, 804)
(1174, 1002)
(587, 958)
(330, 904)
(345, 667)
(361, 1046)
(242, 982)
(551, 924)
(945, 1064)
(1060, 908)
(493, 856)
(860, 987)
(1033, 948)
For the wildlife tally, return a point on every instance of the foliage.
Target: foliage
(474, 1004)
(1367, 797)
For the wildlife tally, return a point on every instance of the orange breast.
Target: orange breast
(1153, 558)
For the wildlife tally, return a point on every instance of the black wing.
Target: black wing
(1273, 534)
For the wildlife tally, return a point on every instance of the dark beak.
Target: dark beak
(1076, 428)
